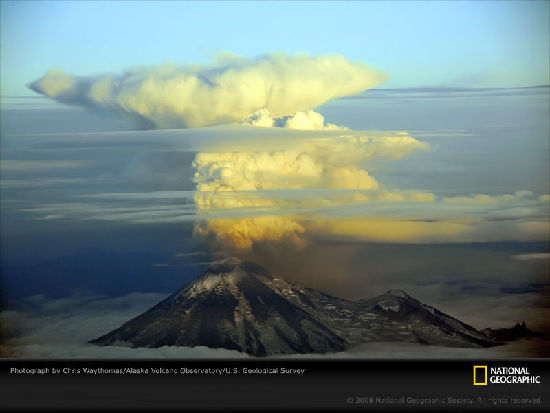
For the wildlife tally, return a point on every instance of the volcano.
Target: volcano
(243, 307)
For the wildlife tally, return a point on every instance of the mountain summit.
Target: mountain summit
(240, 306)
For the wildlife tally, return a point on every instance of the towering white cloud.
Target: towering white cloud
(324, 162)
(308, 120)
(229, 90)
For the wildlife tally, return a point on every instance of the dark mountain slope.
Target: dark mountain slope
(242, 307)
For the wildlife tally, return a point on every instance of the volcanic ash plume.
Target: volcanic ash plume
(264, 196)
(232, 89)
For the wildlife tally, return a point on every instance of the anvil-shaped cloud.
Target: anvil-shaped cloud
(232, 89)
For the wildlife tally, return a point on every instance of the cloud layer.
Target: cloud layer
(230, 90)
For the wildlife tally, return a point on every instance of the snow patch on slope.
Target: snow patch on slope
(210, 281)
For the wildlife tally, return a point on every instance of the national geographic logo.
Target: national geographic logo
(480, 375)
(504, 375)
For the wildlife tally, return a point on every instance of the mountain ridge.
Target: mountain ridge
(241, 306)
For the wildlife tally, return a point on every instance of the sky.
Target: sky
(468, 44)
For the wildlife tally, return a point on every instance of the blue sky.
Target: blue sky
(474, 44)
